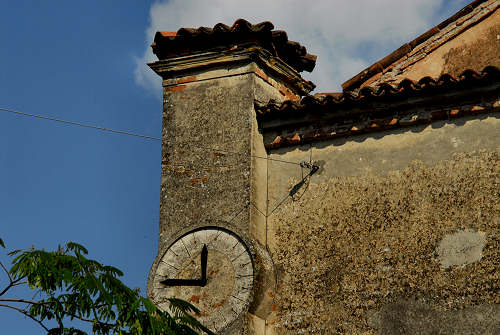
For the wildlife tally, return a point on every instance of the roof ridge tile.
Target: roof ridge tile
(192, 40)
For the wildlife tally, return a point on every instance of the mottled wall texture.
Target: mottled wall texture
(409, 248)
(196, 179)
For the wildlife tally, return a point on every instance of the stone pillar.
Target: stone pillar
(210, 137)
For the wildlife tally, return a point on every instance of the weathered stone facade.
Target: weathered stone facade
(397, 232)
(364, 250)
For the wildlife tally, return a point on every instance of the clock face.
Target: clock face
(211, 268)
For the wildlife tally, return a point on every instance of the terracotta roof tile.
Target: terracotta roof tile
(384, 92)
(328, 116)
(192, 40)
(168, 33)
(407, 48)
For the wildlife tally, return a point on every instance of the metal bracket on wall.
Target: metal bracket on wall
(312, 170)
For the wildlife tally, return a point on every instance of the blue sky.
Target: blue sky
(84, 61)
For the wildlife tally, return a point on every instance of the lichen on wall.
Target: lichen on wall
(352, 247)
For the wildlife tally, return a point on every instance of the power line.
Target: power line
(85, 125)
(81, 124)
(312, 168)
(216, 150)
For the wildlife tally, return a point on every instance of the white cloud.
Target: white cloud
(346, 36)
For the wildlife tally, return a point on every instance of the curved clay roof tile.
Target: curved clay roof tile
(426, 85)
(427, 82)
(366, 92)
(446, 79)
(192, 40)
(407, 85)
(491, 71)
(385, 89)
(470, 75)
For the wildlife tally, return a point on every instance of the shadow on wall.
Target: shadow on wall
(379, 135)
(418, 318)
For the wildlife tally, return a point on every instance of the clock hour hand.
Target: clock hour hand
(192, 282)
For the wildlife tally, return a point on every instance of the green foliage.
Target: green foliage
(75, 287)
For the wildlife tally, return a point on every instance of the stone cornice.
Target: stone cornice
(173, 68)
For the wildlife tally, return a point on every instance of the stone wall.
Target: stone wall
(198, 118)
(352, 250)
(397, 234)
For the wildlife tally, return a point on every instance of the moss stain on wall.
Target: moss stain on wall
(352, 246)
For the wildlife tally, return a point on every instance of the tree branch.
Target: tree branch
(6, 271)
(12, 282)
(26, 301)
(6, 289)
(15, 281)
(91, 321)
(26, 314)
(20, 283)
(31, 302)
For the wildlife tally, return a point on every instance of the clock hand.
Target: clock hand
(192, 282)
(204, 258)
(181, 282)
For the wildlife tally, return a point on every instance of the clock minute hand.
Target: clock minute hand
(204, 258)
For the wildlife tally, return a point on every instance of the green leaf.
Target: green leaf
(14, 252)
(70, 286)
(72, 246)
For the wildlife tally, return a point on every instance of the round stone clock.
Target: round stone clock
(212, 268)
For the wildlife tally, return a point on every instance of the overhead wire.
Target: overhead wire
(215, 150)
(234, 152)
(86, 125)
(267, 214)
